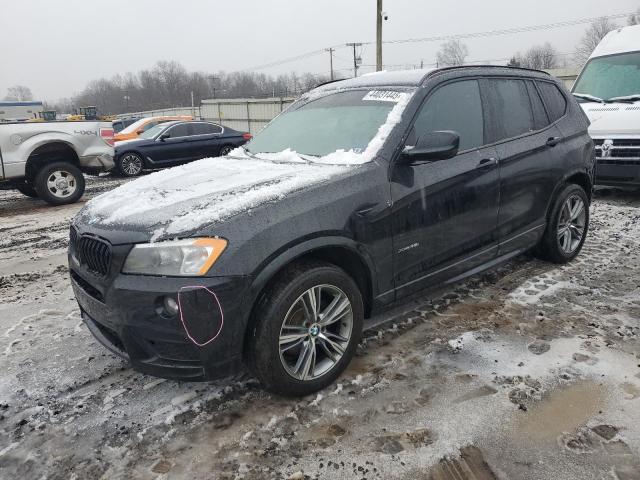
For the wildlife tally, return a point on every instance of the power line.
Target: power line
(489, 33)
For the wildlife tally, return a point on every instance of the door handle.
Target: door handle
(553, 141)
(487, 162)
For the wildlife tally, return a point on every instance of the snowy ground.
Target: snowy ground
(531, 371)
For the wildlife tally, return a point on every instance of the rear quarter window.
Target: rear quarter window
(553, 99)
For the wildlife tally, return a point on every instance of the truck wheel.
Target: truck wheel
(27, 190)
(59, 183)
(130, 165)
(308, 326)
(567, 227)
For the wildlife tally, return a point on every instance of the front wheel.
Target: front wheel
(307, 330)
(59, 183)
(567, 227)
(130, 164)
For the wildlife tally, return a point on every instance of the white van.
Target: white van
(609, 92)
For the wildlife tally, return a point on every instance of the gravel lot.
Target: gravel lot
(531, 371)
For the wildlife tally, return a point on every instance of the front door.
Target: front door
(174, 149)
(445, 212)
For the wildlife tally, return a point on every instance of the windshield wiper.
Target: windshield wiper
(625, 99)
(586, 96)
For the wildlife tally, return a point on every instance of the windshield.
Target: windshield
(346, 120)
(611, 76)
(153, 131)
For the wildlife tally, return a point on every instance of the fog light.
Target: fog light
(170, 306)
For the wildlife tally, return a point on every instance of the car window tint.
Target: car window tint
(540, 117)
(205, 129)
(181, 130)
(553, 99)
(149, 125)
(458, 107)
(511, 106)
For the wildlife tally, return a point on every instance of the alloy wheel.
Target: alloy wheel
(131, 164)
(571, 224)
(316, 332)
(61, 184)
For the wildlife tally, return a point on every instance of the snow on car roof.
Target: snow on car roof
(622, 40)
(407, 78)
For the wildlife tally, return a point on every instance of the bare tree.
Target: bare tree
(452, 53)
(596, 32)
(515, 61)
(634, 18)
(19, 93)
(540, 57)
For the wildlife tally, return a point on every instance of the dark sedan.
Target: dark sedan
(174, 143)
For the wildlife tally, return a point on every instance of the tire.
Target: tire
(27, 190)
(225, 150)
(59, 183)
(567, 226)
(281, 312)
(130, 164)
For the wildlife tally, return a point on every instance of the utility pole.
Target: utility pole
(355, 58)
(213, 79)
(379, 35)
(330, 50)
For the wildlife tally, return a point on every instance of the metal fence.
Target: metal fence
(244, 114)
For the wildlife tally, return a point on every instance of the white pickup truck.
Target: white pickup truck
(48, 159)
(609, 92)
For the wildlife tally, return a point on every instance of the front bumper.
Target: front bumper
(617, 174)
(127, 318)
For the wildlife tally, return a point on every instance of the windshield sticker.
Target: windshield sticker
(383, 96)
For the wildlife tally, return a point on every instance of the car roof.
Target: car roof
(621, 40)
(415, 78)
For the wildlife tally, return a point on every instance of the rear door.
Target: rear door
(445, 212)
(206, 140)
(174, 149)
(529, 169)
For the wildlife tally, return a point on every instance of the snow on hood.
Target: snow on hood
(613, 119)
(205, 192)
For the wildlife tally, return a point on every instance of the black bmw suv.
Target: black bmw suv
(362, 192)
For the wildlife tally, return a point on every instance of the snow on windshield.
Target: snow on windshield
(183, 198)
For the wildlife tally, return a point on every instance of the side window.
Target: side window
(511, 106)
(540, 118)
(181, 130)
(455, 106)
(553, 99)
(205, 129)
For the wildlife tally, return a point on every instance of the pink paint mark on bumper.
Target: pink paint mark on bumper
(184, 325)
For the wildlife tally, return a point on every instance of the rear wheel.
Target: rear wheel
(567, 227)
(308, 327)
(130, 164)
(225, 150)
(59, 183)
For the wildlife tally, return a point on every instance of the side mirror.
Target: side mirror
(163, 137)
(433, 146)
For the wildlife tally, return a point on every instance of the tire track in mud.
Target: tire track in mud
(382, 419)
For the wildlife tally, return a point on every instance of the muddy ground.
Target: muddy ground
(531, 371)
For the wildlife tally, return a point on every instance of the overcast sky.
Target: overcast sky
(56, 46)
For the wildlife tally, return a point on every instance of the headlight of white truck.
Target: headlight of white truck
(191, 257)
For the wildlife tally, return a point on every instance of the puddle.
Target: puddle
(562, 411)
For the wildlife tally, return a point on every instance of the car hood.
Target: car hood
(612, 119)
(132, 142)
(180, 201)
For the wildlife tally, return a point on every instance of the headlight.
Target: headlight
(191, 257)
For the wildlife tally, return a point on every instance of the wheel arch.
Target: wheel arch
(339, 251)
(579, 177)
(50, 152)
